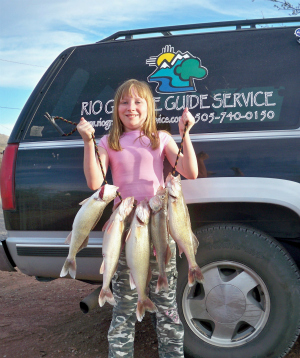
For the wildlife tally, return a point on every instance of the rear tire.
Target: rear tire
(248, 305)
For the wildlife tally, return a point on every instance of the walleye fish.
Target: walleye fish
(112, 246)
(85, 220)
(180, 227)
(160, 235)
(138, 257)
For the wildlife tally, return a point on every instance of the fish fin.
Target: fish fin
(195, 243)
(132, 283)
(194, 275)
(110, 227)
(68, 239)
(106, 296)
(168, 227)
(84, 244)
(128, 234)
(102, 268)
(69, 267)
(168, 255)
(83, 201)
(179, 249)
(143, 306)
(162, 283)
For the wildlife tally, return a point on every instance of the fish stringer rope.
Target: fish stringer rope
(180, 149)
(52, 121)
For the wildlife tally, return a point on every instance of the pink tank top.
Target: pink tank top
(137, 169)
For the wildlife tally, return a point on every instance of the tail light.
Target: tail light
(7, 177)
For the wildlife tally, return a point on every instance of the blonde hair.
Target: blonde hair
(149, 126)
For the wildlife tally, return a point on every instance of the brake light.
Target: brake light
(7, 177)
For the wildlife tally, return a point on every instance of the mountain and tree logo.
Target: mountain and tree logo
(175, 71)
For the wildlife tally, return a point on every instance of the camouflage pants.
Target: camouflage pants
(168, 326)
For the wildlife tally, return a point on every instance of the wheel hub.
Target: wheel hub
(226, 303)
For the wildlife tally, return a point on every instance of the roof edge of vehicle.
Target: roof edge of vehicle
(167, 30)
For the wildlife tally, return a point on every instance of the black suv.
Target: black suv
(241, 81)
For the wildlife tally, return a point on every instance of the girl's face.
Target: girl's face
(132, 111)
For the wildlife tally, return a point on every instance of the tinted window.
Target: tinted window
(231, 81)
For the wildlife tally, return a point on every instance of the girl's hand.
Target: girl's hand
(85, 129)
(186, 117)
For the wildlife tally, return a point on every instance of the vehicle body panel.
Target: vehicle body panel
(247, 113)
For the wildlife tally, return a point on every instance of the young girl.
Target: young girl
(135, 151)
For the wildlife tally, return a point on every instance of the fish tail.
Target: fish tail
(194, 275)
(106, 296)
(143, 306)
(162, 283)
(69, 267)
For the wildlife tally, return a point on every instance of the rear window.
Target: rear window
(242, 80)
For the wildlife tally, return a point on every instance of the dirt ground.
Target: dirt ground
(43, 319)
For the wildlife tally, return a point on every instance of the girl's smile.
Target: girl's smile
(132, 111)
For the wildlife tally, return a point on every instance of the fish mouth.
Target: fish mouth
(131, 200)
(172, 194)
(156, 202)
(141, 222)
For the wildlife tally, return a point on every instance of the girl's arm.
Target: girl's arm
(91, 166)
(187, 163)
